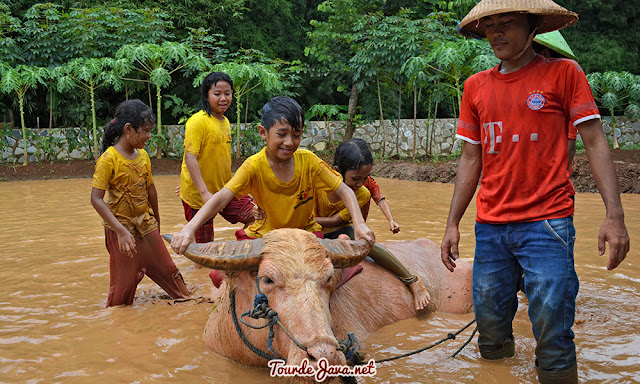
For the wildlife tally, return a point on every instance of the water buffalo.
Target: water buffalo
(299, 273)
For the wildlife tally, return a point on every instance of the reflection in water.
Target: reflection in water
(55, 276)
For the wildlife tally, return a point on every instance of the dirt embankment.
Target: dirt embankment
(627, 164)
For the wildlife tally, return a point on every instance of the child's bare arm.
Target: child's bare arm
(331, 221)
(386, 210)
(153, 201)
(362, 231)
(211, 208)
(126, 242)
(191, 161)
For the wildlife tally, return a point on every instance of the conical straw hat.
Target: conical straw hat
(553, 16)
(554, 41)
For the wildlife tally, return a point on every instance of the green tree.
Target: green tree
(327, 112)
(11, 40)
(247, 76)
(616, 92)
(91, 75)
(606, 35)
(19, 80)
(156, 63)
(387, 43)
(333, 43)
(453, 61)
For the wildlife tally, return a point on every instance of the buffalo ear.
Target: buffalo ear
(345, 253)
(225, 255)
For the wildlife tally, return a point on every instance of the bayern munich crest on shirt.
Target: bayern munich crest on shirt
(535, 101)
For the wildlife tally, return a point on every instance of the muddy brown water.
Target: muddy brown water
(54, 279)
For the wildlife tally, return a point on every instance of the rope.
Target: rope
(261, 310)
(450, 336)
(246, 342)
(350, 346)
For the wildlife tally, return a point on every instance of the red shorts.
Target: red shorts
(151, 259)
(238, 210)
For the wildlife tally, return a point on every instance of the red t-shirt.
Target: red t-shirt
(521, 121)
(376, 195)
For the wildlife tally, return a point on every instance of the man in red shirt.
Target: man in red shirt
(513, 121)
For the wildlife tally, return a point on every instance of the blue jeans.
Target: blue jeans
(543, 251)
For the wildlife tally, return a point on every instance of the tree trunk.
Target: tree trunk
(398, 125)
(149, 94)
(159, 142)
(353, 105)
(246, 112)
(613, 124)
(433, 123)
(50, 106)
(415, 118)
(12, 121)
(93, 120)
(24, 132)
(326, 125)
(381, 117)
(238, 128)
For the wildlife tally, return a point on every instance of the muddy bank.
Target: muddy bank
(627, 165)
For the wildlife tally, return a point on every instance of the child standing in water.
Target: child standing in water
(283, 180)
(130, 210)
(206, 164)
(354, 161)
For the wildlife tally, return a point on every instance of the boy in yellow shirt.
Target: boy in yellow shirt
(283, 181)
(206, 164)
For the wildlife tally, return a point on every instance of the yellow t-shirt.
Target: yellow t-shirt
(287, 205)
(126, 182)
(325, 208)
(210, 140)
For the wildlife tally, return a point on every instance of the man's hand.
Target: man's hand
(449, 247)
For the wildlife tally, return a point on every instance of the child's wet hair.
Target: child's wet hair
(134, 112)
(212, 79)
(352, 154)
(282, 109)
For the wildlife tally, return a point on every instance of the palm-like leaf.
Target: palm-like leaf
(610, 100)
(160, 77)
(633, 111)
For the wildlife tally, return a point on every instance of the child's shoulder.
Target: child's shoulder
(198, 117)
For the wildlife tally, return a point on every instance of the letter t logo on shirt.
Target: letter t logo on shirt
(493, 136)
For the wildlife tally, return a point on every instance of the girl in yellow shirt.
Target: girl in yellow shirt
(354, 161)
(124, 195)
(206, 163)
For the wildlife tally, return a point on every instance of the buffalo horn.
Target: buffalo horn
(346, 253)
(224, 255)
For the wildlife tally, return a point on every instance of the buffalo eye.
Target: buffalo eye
(266, 280)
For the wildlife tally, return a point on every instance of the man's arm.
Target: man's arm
(613, 229)
(467, 176)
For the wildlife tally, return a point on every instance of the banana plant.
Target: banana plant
(616, 92)
(19, 80)
(91, 75)
(156, 63)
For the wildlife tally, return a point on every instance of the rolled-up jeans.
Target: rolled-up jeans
(543, 251)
